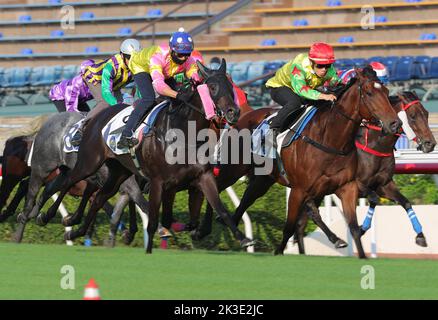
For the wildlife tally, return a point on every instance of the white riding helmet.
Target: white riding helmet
(129, 46)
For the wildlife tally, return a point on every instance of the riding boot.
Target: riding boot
(127, 139)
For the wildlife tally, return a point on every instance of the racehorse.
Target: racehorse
(151, 155)
(49, 160)
(376, 166)
(15, 168)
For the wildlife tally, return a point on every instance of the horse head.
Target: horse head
(221, 91)
(374, 101)
(418, 120)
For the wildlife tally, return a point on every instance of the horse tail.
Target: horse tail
(32, 128)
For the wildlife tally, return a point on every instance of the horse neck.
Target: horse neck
(345, 128)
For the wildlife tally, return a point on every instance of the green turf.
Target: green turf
(30, 271)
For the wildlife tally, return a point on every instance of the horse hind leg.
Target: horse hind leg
(7, 185)
(76, 218)
(121, 203)
(13, 205)
(129, 235)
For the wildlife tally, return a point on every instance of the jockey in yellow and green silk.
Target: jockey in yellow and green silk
(294, 84)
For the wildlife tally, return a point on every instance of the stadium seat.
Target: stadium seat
(359, 62)
(7, 78)
(2, 71)
(125, 31)
(375, 58)
(25, 18)
(380, 19)
(69, 71)
(55, 1)
(269, 42)
(26, 51)
(21, 77)
(44, 76)
(344, 64)
(87, 15)
(57, 33)
(256, 69)
(428, 36)
(402, 70)
(421, 67)
(240, 71)
(433, 73)
(334, 3)
(154, 13)
(271, 66)
(390, 62)
(300, 22)
(346, 39)
(92, 49)
(412, 1)
(36, 75)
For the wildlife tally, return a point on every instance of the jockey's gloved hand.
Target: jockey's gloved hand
(185, 94)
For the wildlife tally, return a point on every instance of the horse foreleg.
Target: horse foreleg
(295, 202)
(349, 194)
(116, 216)
(196, 198)
(257, 187)
(8, 184)
(205, 228)
(155, 194)
(168, 198)
(391, 191)
(207, 184)
(117, 174)
(299, 233)
(373, 199)
(19, 195)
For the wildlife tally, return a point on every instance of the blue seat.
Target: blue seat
(36, 75)
(360, 62)
(433, 73)
(55, 1)
(2, 72)
(25, 18)
(230, 66)
(346, 39)
(43, 76)
(380, 19)
(421, 67)
(21, 77)
(7, 77)
(402, 70)
(402, 143)
(57, 33)
(87, 15)
(240, 71)
(154, 13)
(272, 66)
(334, 3)
(256, 69)
(28, 51)
(390, 63)
(125, 31)
(413, 1)
(92, 49)
(268, 42)
(69, 71)
(300, 22)
(428, 36)
(344, 64)
(376, 59)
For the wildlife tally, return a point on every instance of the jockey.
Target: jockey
(379, 68)
(72, 94)
(294, 84)
(151, 67)
(105, 78)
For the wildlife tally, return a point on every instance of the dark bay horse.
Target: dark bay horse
(376, 166)
(151, 155)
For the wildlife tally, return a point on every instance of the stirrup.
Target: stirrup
(76, 139)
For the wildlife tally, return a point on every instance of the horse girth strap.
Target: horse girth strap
(325, 148)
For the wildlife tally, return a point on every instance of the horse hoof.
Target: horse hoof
(421, 241)
(339, 244)
(246, 243)
(40, 221)
(127, 237)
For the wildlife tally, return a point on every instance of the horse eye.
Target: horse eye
(369, 94)
(214, 89)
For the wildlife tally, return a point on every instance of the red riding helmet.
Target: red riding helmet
(322, 53)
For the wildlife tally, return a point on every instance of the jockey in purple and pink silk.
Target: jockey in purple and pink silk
(72, 94)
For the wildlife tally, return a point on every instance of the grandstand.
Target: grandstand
(40, 46)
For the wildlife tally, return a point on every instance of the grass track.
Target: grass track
(30, 271)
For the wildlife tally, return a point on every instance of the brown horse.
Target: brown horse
(376, 166)
(151, 154)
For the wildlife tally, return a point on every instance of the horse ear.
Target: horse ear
(205, 72)
(223, 67)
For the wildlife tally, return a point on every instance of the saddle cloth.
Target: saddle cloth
(262, 137)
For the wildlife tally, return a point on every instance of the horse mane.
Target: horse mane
(31, 128)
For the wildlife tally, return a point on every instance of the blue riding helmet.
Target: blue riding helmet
(181, 42)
